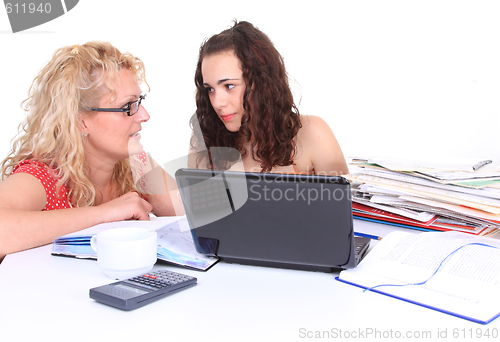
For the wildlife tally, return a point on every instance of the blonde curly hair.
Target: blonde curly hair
(72, 82)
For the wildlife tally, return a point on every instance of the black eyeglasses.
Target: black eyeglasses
(130, 108)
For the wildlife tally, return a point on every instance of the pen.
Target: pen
(481, 164)
(373, 237)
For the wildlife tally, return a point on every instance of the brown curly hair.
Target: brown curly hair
(271, 120)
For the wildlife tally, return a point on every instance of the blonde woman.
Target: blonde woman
(78, 160)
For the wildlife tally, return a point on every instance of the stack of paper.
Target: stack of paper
(428, 196)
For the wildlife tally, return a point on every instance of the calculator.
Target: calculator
(138, 291)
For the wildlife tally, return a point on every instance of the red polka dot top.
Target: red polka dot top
(48, 177)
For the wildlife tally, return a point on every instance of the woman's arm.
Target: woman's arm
(318, 148)
(25, 225)
(161, 190)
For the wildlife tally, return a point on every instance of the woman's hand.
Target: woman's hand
(126, 207)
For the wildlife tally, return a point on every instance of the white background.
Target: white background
(409, 79)
(418, 79)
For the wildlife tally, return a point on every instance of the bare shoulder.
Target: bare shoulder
(314, 129)
(22, 191)
(318, 148)
(311, 120)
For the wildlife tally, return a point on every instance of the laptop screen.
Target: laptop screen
(282, 220)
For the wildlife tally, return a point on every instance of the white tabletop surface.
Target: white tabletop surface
(45, 296)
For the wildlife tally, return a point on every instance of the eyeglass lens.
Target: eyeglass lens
(134, 106)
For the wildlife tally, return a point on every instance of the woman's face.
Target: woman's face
(115, 136)
(223, 79)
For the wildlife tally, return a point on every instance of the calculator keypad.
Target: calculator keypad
(160, 279)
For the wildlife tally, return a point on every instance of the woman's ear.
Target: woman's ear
(83, 124)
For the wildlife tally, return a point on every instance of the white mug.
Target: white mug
(123, 253)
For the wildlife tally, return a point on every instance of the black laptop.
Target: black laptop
(278, 220)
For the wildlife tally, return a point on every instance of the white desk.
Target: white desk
(48, 296)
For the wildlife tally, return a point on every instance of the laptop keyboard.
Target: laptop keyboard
(361, 245)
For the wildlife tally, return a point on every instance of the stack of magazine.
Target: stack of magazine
(461, 197)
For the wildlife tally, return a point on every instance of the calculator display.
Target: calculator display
(130, 288)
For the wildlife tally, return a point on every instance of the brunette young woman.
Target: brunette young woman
(246, 117)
